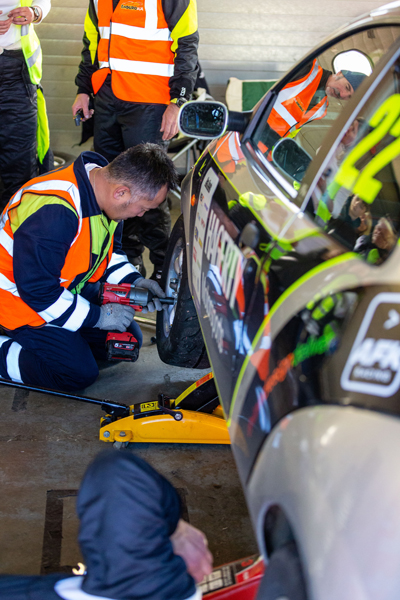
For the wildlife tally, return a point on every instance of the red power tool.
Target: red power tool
(124, 346)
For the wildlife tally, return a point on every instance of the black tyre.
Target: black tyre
(283, 579)
(179, 338)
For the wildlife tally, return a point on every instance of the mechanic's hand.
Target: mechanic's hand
(4, 25)
(82, 101)
(169, 123)
(115, 317)
(191, 544)
(22, 16)
(155, 289)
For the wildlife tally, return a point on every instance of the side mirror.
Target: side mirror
(210, 120)
(291, 159)
(204, 120)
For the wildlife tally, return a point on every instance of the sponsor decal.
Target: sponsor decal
(312, 347)
(217, 328)
(132, 5)
(373, 365)
(207, 189)
(222, 252)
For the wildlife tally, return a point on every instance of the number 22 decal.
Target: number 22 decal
(384, 120)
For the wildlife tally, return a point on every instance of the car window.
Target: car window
(357, 198)
(292, 129)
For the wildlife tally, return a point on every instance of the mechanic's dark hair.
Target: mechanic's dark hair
(145, 168)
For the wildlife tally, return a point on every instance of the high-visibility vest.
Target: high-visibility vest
(290, 111)
(94, 237)
(135, 46)
(31, 48)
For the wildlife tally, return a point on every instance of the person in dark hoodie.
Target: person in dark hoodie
(133, 541)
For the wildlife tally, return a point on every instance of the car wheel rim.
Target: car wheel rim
(173, 284)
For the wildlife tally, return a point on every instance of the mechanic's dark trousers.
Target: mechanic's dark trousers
(118, 125)
(18, 118)
(54, 357)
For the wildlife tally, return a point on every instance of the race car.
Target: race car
(286, 266)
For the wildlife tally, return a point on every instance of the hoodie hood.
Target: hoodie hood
(127, 513)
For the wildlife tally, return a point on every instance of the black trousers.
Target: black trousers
(18, 119)
(118, 125)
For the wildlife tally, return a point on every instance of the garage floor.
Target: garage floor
(46, 444)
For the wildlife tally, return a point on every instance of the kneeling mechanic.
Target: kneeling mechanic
(60, 235)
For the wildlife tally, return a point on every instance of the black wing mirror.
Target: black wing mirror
(209, 120)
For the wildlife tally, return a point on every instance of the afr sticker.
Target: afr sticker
(373, 366)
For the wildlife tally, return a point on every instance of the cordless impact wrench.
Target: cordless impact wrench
(124, 346)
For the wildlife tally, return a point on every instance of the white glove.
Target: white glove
(155, 289)
(115, 317)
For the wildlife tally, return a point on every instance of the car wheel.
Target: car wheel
(283, 579)
(179, 338)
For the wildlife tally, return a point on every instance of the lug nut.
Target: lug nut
(173, 283)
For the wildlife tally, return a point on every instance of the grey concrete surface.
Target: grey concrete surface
(47, 442)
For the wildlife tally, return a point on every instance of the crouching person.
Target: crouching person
(59, 235)
(133, 541)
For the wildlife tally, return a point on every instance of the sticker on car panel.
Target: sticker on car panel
(207, 190)
(373, 365)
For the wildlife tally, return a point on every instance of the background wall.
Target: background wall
(251, 39)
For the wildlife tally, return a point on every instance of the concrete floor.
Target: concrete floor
(46, 444)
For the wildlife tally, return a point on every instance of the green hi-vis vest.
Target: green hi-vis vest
(33, 57)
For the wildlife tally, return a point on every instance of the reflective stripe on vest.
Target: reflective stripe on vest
(31, 48)
(94, 237)
(33, 57)
(137, 28)
(291, 106)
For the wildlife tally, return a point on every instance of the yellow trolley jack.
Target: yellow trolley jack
(195, 417)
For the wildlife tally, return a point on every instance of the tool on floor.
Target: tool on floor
(195, 417)
(124, 346)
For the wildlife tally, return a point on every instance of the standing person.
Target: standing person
(24, 128)
(133, 540)
(306, 99)
(140, 61)
(59, 237)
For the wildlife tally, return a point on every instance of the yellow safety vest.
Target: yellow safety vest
(33, 57)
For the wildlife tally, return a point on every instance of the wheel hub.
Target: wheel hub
(172, 284)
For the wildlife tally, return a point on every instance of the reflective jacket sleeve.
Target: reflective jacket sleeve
(181, 16)
(41, 244)
(89, 63)
(120, 270)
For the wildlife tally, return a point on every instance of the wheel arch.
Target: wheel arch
(277, 528)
